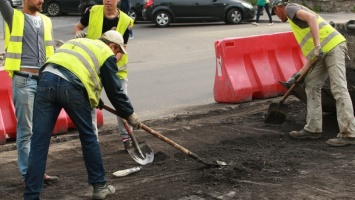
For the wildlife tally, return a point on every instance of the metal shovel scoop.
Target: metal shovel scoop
(277, 112)
(140, 151)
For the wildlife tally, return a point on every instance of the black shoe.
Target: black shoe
(49, 180)
(127, 144)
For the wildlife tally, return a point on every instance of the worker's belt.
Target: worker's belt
(26, 75)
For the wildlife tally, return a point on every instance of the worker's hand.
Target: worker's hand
(318, 53)
(293, 79)
(80, 34)
(134, 121)
(100, 105)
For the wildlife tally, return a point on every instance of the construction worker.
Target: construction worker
(318, 39)
(28, 43)
(261, 4)
(97, 20)
(72, 78)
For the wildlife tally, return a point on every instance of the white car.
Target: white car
(16, 3)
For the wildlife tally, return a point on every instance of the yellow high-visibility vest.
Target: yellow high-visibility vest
(95, 32)
(13, 41)
(329, 37)
(84, 58)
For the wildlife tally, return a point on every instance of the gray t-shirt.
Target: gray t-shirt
(33, 48)
(291, 10)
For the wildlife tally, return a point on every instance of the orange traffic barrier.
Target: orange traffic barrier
(8, 119)
(61, 125)
(249, 68)
(99, 120)
(2, 130)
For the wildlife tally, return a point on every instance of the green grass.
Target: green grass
(253, 2)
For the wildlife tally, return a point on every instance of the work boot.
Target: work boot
(102, 190)
(49, 180)
(127, 144)
(341, 142)
(304, 134)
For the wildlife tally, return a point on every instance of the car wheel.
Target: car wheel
(53, 9)
(162, 19)
(234, 16)
(133, 15)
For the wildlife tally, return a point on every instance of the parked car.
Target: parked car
(16, 3)
(136, 7)
(164, 12)
(59, 7)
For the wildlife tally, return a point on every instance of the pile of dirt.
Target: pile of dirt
(264, 162)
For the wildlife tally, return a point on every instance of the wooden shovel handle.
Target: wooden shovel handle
(128, 129)
(166, 140)
(303, 75)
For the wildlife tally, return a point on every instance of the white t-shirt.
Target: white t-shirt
(36, 21)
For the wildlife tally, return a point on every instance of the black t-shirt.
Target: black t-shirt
(106, 26)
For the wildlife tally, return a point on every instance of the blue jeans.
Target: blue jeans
(121, 128)
(53, 94)
(23, 94)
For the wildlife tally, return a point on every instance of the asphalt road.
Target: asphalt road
(171, 69)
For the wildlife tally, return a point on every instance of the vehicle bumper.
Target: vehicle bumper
(249, 14)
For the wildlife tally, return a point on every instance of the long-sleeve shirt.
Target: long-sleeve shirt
(113, 88)
(33, 48)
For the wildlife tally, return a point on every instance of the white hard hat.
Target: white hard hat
(115, 37)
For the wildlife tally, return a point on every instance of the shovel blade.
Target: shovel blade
(276, 114)
(145, 156)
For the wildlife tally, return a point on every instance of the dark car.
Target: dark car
(59, 7)
(136, 7)
(164, 12)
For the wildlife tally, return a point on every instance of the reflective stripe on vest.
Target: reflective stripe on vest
(84, 58)
(48, 38)
(95, 32)
(13, 41)
(329, 37)
(85, 62)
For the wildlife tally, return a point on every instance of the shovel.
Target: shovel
(140, 151)
(167, 140)
(182, 149)
(278, 111)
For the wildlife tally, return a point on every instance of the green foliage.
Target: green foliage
(253, 2)
(317, 9)
(304, 3)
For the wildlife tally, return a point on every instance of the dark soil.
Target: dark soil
(265, 163)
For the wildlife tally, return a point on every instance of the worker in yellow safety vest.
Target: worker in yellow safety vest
(72, 79)
(28, 43)
(97, 20)
(319, 40)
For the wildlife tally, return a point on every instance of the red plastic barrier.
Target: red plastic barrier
(250, 67)
(2, 130)
(99, 120)
(8, 119)
(61, 126)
